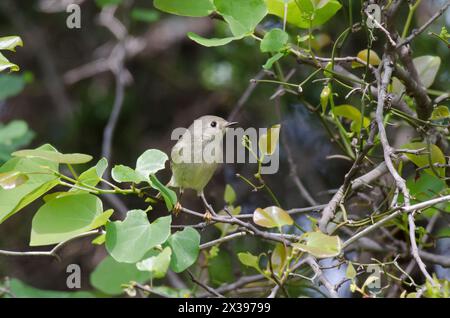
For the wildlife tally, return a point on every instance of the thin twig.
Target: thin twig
(415, 33)
(53, 251)
(209, 289)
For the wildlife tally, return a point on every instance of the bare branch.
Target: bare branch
(415, 33)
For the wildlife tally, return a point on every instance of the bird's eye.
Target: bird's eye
(213, 124)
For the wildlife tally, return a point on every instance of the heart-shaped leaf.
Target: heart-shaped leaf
(352, 113)
(150, 162)
(10, 43)
(421, 160)
(110, 275)
(274, 41)
(229, 195)
(320, 245)
(12, 179)
(269, 63)
(74, 158)
(250, 260)
(128, 241)
(272, 216)
(212, 42)
(304, 13)
(189, 8)
(427, 67)
(6, 64)
(40, 180)
(241, 16)
(65, 217)
(185, 248)
(157, 264)
(440, 112)
(279, 257)
(268, 142)
(121, 173)
(369, 56)
(93, 175)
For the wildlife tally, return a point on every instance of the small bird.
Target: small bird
(197, 154)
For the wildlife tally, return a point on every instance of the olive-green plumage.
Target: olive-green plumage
(194, 173)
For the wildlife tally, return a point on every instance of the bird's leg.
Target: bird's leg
(177, 207)
(209, 208)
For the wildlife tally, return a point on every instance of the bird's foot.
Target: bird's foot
(177, 208)
(207, 216)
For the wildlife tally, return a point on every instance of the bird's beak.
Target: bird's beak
(230, 124)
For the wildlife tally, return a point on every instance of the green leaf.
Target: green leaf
(272, 216)
(211, 42)
(128, 241)
(278, 258)
(169, 196)
(274, 41)
(54, 156)
(150, 162)
(99, 240)
(65, 217)
(6, 64)
(93, 175)
(11, 85)
(220, 268)
(10, 43)
(425, 186)
(320, 245)
(436, 157)
(40, 180)
(12, 179)
(157, 264)
(241, 16)
(352, 113)
(268, 142)
(110, 275)
(101, 219)
(189, 8)
(13, 135)
(229, 195)
(372, 58)
(269, 63)
(319, 11)
(144, 15)
(105, 3)
(440, 112)
(60, 194)
(15, 129)
(350, 272)
(226, 228)
(21, 290)
(444, 232)
(427, 67)
(185, 248)
(123, 173)
(250, 260)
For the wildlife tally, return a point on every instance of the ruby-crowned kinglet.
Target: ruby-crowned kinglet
(197, 154)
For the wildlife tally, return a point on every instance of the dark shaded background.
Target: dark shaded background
(174, 81)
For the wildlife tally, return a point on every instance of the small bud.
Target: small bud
(324, 96)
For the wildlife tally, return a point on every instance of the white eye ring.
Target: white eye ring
(213, 124)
